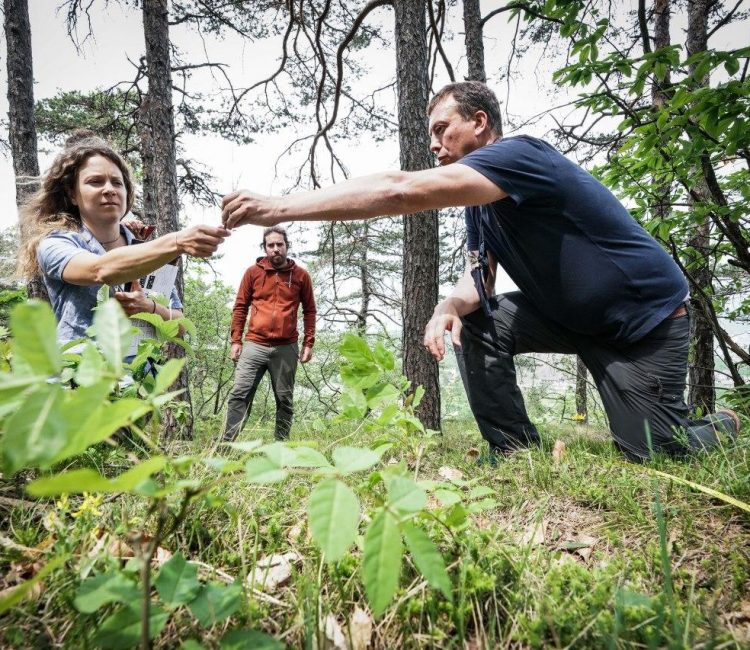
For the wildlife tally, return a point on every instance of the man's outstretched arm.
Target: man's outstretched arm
(377, 195)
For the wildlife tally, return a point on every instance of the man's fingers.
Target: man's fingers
(456, 332)
(229, 198)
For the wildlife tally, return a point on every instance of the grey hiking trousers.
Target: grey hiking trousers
(281, 363)
(638, 383)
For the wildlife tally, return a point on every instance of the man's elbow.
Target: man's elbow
(401, 193)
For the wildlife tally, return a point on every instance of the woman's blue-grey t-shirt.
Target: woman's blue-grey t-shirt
(74, 304)
(570, 246)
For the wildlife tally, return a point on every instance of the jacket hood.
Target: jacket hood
(264, 263)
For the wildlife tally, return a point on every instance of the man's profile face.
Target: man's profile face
(275, 248)
(451, 135)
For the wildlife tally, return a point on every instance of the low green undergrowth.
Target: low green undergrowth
(364, 528)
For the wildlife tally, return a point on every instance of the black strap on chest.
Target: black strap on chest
(480, 268)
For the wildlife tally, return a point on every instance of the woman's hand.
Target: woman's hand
(135, 301)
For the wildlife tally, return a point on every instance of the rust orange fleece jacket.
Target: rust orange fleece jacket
(274, 296)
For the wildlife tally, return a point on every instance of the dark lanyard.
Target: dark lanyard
(480, 271)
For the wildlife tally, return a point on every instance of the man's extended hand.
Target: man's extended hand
(243, 207)
(444, 319)
(306, 354)
(235, 352)
(200, 241)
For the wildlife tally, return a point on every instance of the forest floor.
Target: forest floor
(580, 550)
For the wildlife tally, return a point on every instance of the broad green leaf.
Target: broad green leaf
(261, 470)
(222, 465)
(427, 558)
(13, 385)
(167, 375)
(123, 628)
(384, 357)
(15, 595)
(360, 377)
(247, 639)
(92, 367)
(405, 495)
(355, 459)
(36, 432)
(279, 453)
(333, 511)
(354, 349)
(105, 589)
(447, 497)
(353, 404)
(88, 480)
(113, 333)
(34, 342)
(418, 395)
(177, 582)
(309, 457)
(245, 445)
(380, 394)
(99, 424)
(215, 602)
(381, 564)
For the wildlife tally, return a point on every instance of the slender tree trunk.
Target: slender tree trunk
(21, 122)
(474, 40)
(364, 278)
(421, 247)
(159, 159)
(581, 392)
(701, 392)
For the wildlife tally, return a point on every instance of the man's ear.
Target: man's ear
(481, 124)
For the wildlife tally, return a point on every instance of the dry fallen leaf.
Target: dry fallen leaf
(273, 571)
(450, 473)
(335, 639)
(558, 452)
(161, 557)
(361, 629)
(118, 548)
(535, 533)
(472, 454)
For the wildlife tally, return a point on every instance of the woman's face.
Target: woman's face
(100, 192)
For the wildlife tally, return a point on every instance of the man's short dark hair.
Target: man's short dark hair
(277, 229)
(470, 97)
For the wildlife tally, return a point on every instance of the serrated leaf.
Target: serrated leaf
(105, 589)
(34, 343)
(246, 639)
(215, 602)
(355, 459)
(384, 357)
(177, 582)
(360, 377)
(123, 628)
(381, 563)
(261, 470)
(309, 457)
(354, 349)
(380, 394)
(405, 495)
(427, 558)
(333, 512)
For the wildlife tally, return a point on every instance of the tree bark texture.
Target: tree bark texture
(473, 38)
(21, 122)
(421, 246)
(159, 158)
(701, 391)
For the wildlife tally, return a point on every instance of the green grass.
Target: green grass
(570, 557)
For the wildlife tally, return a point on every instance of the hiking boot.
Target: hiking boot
(729, 421)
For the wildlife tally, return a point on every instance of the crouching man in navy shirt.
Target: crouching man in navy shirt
(591, 281)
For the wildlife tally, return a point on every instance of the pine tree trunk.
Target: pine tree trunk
(421, 249)
(473, 38)
(21, 122)
(701, 392)
(582, 408)
(160, 158)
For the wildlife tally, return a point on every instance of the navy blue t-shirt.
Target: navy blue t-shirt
(570, 245)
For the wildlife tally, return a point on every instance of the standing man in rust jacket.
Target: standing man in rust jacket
(273, 289)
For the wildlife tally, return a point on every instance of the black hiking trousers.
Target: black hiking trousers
(638, 383)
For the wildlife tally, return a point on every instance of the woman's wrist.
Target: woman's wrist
(153, 309)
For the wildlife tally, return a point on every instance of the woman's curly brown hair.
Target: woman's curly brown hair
(51, 207)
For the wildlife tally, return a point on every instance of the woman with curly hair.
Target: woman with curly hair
(72, 236)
